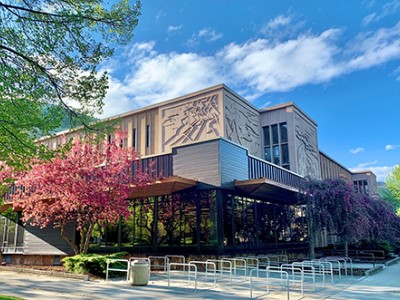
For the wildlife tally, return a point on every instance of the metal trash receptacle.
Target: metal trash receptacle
(139, 272)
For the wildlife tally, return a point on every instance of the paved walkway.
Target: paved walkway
(384, 285)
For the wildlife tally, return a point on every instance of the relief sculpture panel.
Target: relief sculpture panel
(192, 121)
(242, 126)
(306, 148)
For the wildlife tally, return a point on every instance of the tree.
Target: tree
(50, 51)
(87, 185)
(333, 205)
(392, 194)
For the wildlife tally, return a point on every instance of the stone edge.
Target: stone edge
(380, 268)
(43, 272)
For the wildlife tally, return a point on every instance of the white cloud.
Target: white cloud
(363, 166)
(391, 147)
(374, 48)
(388, 9)
(275, 23)
(396, 73)
(252, 68)
(381, 172)
(155, 77)
(268, 67)
(172, 28)
(357, 150)
(209, 34)
(160, 14)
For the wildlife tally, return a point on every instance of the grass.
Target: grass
(9, 298)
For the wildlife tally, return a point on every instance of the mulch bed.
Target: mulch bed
(54, 269)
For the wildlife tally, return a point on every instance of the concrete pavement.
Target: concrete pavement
(384, 285)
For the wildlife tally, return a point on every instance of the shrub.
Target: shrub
(91, 263)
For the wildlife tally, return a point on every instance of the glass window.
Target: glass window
(134, 138)
(267, 141)
(267, 153)
(284, 135)
(147, 136)
(275, 137)
(366, 187)
(285, 154)
(276, 155)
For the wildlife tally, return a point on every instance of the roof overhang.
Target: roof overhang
(164, 186)
(5, 206)
(269, 190)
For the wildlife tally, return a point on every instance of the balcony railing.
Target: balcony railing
(259, 168)
(156, 166)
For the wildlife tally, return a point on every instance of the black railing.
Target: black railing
(262, 169)
(156, 166)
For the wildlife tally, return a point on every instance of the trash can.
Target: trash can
(139, 273)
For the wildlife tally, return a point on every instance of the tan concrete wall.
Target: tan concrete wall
(306, 146)
(191, 120)
(242, 124)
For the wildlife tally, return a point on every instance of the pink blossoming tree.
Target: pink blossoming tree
(332, 204)
(87, 185)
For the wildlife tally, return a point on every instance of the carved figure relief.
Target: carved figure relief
(306, 149)
(242, 127)
(192, 121)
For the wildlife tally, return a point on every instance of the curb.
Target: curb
(47, 273)
(373, 271)
(392, 261)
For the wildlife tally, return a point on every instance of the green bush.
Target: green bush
(92, 263)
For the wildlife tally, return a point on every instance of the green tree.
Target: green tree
(392, 194)
(50, 53)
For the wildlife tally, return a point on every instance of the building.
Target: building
(231, 177)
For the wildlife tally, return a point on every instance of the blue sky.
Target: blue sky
(338, 60)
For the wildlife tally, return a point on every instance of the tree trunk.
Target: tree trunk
(310, 229)
(68, 240)
(85, 246)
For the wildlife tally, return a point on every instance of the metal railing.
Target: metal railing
(259, 168)
(186, 270)
(111, 261)
(224, 267)
(155, 166)
(282, 280)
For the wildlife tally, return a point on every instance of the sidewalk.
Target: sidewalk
(384, 285)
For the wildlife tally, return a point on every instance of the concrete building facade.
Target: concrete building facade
(228, 177)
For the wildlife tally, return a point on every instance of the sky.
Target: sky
(339, 61)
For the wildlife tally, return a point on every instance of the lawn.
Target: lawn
(9, 298)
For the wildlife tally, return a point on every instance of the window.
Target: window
(134, 138)
(285, 154)
(366, 187)
(267, 153)
(276, 147)
(267, 141)
(275, 136)
(284, 134)
(147, 136)
(276, 155)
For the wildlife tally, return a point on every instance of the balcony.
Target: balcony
(271, 182)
